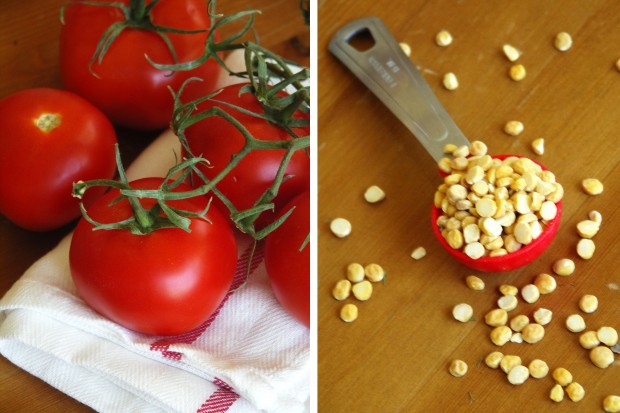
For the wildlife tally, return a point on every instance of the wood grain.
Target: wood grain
(29, 33)
(395, 357)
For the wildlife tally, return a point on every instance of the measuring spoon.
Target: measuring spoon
(385, 69)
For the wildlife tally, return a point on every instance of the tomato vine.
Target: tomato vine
(269, 75)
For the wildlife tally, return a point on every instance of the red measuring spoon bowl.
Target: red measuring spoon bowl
(512, 260)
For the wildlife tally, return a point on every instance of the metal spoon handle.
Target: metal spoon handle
(393, 78)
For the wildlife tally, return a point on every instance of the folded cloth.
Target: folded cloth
(249, 356)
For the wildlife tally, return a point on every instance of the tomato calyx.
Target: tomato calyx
(136, 16)
(161, 215)
(47, 122)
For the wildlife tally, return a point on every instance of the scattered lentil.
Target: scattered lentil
(517, 72)
(418, 253)
(340, 227)
(592, 186)
(374, 272)
(493, 359)
(518, 375)
(500, 335)
(508, 362)
(511, 52)
(564, 267)
(533, 333)
(588, 303)
(575, 391)
(563, 41)
(543, 316)
(507, 302)
(587, 228)
(611, 403)
(607, 335)
(496, 317)
(462, 312)
(557, 393)
(405, 48)
(518, 322)
(355, 272)
(443, 38)
(586, 248)
(538, 146)
(362, 290)
(348, 312)
(602, 356)
(458, 368)
(530, 293)
(575, 323)
(342, 290)
(545, 283)
(374, 194)
(450, 81)
(474, 282)
(538, 368)
(595, 216)
(562, 376)
(513, 128)
(508, 289)
(589, 340)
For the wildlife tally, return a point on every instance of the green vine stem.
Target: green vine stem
(244, 219)
(144, 221)
(137, 16)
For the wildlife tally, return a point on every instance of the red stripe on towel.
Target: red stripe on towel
(220, 400)
(163, 345)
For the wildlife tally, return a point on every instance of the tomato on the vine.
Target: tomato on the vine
(50, 139)
(287, 260)
(217, 140)
(125, 85)
(165, 282)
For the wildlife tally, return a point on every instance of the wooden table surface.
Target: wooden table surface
(395, 356)
(29, 33)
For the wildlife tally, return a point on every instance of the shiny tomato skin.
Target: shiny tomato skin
(127, 87)
(287, 267)
(38, 167)
(166, 282)
(218, 140)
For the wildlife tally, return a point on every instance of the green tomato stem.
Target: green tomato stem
(137, 10)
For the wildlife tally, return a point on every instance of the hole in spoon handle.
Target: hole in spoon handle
(383, 67)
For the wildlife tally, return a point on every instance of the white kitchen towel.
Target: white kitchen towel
(249, 356)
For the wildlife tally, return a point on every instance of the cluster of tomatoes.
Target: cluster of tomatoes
(167, 281)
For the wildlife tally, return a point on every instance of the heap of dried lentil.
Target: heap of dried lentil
(492, 207)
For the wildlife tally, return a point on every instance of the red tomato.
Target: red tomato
(127, 87)
(166, 282)
(40, 161)
(217, 140)
(287, 267)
